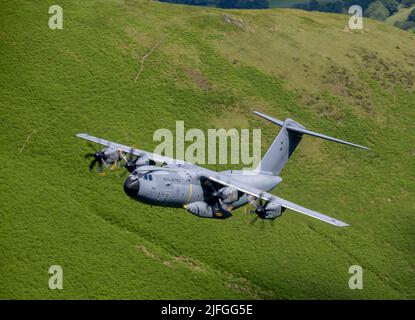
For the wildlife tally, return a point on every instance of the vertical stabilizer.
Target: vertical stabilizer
(281, 149)
(285, 143)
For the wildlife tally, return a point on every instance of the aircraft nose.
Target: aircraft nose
(131, 187)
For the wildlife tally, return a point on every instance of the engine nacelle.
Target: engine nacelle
(142, 162)
(273, 210)
(204, 210)
(111, 155)
(228, 195)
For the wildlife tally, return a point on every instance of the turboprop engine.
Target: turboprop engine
(228, 195)
(204, 210)
(131, 163)
(273, 210)
(269, 210)
(107, 156)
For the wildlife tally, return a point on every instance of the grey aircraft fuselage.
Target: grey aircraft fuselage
(177, 186)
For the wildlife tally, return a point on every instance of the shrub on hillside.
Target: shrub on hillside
(391, 5)
(242, 4)
(411, 16)
(408, 3)
(334, 6)
(377, 10)
(405, 25)
(189, 2)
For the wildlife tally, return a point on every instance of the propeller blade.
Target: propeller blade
(129, 164)
(92, 164)
(130, 155)
(209, 184)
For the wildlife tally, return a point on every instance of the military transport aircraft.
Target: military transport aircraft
(164, 181)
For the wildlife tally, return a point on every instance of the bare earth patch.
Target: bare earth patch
(198, 78)
(190, 263)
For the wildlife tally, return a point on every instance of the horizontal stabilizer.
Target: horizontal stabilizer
(273, 120)
(296, 127)
(319, 135)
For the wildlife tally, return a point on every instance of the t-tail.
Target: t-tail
(285, 143)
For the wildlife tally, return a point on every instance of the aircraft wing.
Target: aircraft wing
(137, 152)
(258, 193)
(314, 214)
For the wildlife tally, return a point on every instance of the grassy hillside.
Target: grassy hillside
(209, 72)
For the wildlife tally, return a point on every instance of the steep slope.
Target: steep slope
(211, 69)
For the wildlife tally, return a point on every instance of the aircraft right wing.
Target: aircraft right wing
(314, 214)
(225, 180)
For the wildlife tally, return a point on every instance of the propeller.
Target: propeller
(99, 158)
(263, 224)
(213, 193)
(259, 207)
(129, 163)
(214, 196)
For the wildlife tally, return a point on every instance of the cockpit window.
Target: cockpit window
(146, 176)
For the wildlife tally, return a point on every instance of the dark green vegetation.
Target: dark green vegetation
(374, 9)
(400, 13)
(404, 19)
(225, 4)
(242, 4)
(392, 10)
(209, 71)
(377, 10)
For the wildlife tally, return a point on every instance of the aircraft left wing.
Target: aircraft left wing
(137, 152)
(225, 180)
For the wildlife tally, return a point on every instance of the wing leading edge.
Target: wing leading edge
(137, 152)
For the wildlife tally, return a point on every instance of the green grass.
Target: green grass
(358, 86)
